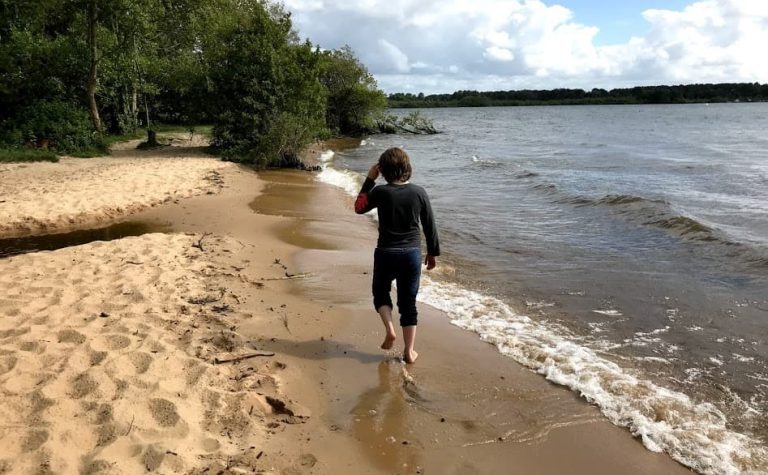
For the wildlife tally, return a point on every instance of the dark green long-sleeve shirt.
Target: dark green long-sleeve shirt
(401, 208)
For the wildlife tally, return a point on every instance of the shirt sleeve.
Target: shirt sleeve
(365, 200)
(428, 225)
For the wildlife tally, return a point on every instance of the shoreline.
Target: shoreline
(348, 393)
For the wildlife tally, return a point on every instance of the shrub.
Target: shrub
(58, 125)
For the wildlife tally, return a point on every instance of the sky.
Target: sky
(439, 46)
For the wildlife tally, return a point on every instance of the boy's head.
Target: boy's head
(395, 165)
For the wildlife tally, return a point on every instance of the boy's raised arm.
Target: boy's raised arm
(363, 203)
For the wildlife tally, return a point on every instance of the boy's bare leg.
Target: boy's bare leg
(409, 335)
(385, 312)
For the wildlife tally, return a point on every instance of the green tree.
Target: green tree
(269, 102)
(353, 97)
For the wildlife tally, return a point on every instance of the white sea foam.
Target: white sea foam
(476, 159)
(326, 156)
(692, 432)
(610, 313)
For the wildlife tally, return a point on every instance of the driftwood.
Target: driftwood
(236, 359)
(199, 243)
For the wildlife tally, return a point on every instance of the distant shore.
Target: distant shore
(678, 94)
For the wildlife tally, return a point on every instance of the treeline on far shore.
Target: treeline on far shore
(681, 94)
(76, 74)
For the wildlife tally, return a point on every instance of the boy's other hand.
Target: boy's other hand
(430, 262)
(373, 173)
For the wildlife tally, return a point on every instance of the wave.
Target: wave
(694, 433)
(653, 212)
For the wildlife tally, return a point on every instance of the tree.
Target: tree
(353, 97)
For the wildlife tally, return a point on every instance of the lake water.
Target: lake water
(621, 251)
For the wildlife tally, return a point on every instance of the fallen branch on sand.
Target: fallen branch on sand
(242, 357)
(199, 243)
(302, 275)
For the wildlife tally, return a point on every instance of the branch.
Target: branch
(199, 243)
(243, 357)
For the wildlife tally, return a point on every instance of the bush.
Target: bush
(58, 125)
(269, 101)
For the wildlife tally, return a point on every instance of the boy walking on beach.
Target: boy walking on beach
(401, 207)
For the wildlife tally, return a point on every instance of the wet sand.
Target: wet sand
(462, 408)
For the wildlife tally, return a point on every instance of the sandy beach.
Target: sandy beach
(244, 341)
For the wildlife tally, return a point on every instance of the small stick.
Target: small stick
(131, 426)
(199, 244)
(303, 275)
(243, 357)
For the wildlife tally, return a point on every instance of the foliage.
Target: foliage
(353, 98)
(726, 92)
(269, 101)
(236, 64)
(57, 125)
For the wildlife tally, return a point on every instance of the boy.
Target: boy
(401, 207)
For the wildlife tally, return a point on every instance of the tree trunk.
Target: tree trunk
(92, 74)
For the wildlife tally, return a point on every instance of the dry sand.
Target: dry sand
(76, 193)
(107, 360)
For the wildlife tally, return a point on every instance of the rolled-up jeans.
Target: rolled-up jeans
(402, 265)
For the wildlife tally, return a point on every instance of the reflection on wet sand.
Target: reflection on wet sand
(381, 421)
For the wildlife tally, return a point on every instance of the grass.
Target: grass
(11, 155)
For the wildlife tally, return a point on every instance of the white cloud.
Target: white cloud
(498, 54)
(444, 45)
(393, 57)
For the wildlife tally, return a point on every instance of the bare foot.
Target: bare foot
(389, 341)
(410, 359)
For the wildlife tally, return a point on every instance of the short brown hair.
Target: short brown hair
(395, 165)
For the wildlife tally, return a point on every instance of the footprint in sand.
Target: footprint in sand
(99, 467)
(141, 361)
(32, 346)
(96, 357)
(83, 385)
(7, 363)
(71, 336)
(13, 332)
(34, 440)
(193, 370)
(164, 412)
(110, 342)
(152, 458)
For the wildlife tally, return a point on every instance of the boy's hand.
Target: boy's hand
(373, 173)
(430, 262)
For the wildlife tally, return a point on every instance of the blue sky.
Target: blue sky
(618, 20)
(436, 46)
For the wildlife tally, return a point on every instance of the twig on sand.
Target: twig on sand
(199, 243)
(284, 318)
(277, 262)
(302, 275)
(242, 357)
(130, 426)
